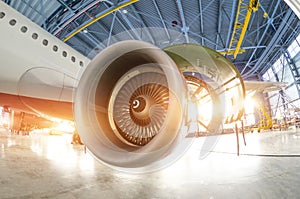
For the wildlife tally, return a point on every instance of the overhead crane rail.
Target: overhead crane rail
(105, 13)
(242, 19)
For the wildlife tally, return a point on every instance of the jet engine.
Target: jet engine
(136, 103)
(130, 104)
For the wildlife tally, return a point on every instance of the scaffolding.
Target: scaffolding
(265, 120)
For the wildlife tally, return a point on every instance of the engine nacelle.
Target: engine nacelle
(136, 103)
(217, 81)
(130, 106)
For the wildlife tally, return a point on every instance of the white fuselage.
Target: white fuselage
(32, 60)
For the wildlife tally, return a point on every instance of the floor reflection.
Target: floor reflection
(57, 149)
(43, 166)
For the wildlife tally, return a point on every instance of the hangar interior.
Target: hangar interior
(260, 37)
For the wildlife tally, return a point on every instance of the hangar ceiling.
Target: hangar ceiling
(91, 25)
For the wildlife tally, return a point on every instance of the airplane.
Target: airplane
(133, 104)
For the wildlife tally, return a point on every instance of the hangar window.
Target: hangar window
(266, 76)
(73, 59)
(270, 72)
(2, 15)
(35, 35)
(64, 53)
(45, 42)
(12, 22)
(24, 29)
(55, 48)
(294, 48)
(277, 65)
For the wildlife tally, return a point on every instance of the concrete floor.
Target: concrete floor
(40, 166)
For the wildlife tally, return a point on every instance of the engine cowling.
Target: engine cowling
(130, 106)
(135, 103)
(215, 74)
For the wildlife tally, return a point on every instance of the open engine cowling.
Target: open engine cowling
(130, 104)
(209, 71)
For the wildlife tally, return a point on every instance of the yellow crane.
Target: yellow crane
(242, 19)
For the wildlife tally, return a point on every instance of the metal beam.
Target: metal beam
(196, 18)
(119, 21)
(19, 6)
(204, 9)
(43, 14)
(132, 28)
(31, 7)
(72, 18)
(111, 29)
(290, 38)
(161, 19)
(139, 18)
(226, 52)
(201, 20)
(100, 16)
(294, 70)
(272, 44)
(223, 51)
(204, 38)
(266, 15)
(295, 6)
(25, 6)
(87, 35)
(185, 28)
(283, 69)
(91, 38)
(219, 22)
(266, 67)
(65, 5)
(262, 37)
(31, 12)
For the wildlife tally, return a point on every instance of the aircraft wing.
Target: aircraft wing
(253, 87)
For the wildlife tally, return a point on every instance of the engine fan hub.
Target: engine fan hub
(139, 106)
(140, 109)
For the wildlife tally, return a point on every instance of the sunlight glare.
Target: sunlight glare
(64, 126)
(249, 105)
